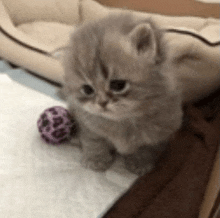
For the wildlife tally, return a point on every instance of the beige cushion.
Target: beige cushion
(32, 30)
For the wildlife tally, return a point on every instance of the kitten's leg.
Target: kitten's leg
(144, 159)
(97, 154)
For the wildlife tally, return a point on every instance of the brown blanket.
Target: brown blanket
(176, 188)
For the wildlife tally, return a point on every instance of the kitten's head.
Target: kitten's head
(112, 68)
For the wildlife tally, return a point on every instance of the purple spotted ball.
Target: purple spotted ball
(56, 125)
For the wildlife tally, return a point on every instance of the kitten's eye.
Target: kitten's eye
(87, 90)
(119, 86)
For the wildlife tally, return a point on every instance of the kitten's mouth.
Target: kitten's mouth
(109, 114)
(106, 113)
(103, 112)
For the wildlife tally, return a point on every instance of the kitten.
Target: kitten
(120, 94)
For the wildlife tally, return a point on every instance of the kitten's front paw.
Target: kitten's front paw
(135, 166)
(98, 162)
(144, 159)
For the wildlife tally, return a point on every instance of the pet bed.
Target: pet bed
(35, 29)
(30, 33)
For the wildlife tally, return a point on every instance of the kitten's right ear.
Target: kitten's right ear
(143, 39)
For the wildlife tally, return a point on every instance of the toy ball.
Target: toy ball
(56, 125)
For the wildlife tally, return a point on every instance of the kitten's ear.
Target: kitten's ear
(143, 39)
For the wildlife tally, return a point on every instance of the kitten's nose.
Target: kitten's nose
(103, 103)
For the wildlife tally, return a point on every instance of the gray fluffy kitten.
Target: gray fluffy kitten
(119, 90)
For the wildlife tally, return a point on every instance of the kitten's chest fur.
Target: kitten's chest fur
(126, 136)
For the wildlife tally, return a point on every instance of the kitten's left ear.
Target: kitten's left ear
(143, 39)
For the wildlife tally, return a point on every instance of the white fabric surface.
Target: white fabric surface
(44, 181)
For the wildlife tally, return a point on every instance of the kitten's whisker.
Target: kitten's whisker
(134, 124)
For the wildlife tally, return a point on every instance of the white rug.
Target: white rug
(44, 181)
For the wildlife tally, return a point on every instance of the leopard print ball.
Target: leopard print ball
(56, 125)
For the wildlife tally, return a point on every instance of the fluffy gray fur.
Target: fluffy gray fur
(136, 121)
